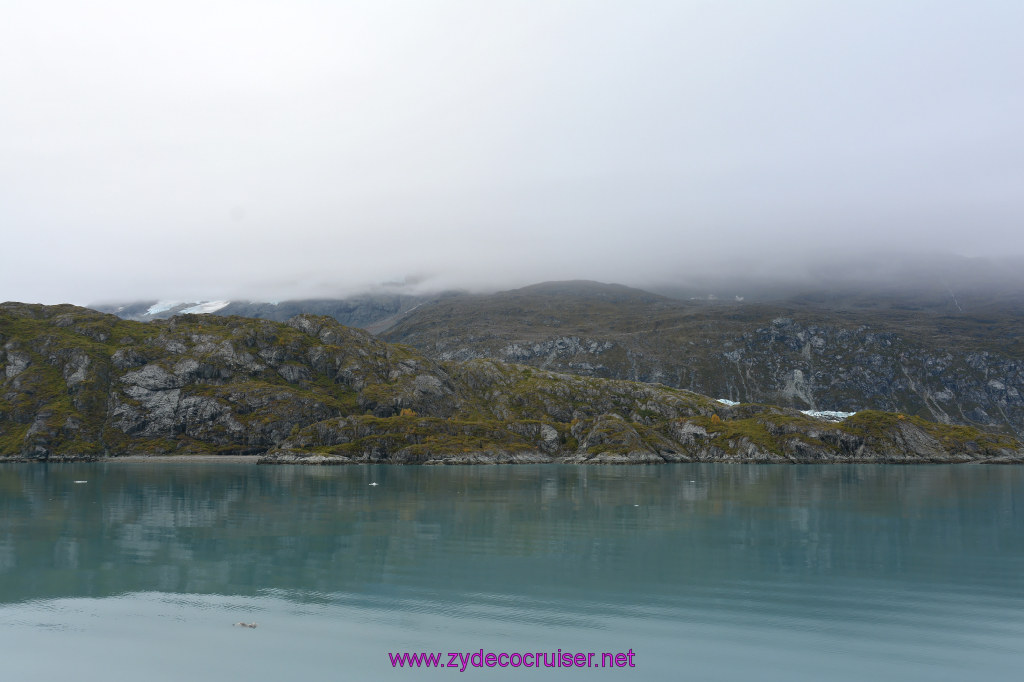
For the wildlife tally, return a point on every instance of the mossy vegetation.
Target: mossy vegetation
(875, 424)
(79, 383)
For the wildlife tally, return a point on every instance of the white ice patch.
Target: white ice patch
(161, 306)
(205, 308)
(730, 403)
(828, 415)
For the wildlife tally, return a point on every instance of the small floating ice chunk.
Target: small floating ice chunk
(828, 415)
(725, 401)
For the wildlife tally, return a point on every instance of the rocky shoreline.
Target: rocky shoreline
(311, 459)
(490, 458)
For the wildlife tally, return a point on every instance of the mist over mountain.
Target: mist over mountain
(937, 336)
(373, 312)
(934, 282)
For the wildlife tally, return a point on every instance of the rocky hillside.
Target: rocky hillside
(75, 383)
(951, 367)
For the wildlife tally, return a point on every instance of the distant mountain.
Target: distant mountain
(75, 383)
(373, 312)
(956, 367)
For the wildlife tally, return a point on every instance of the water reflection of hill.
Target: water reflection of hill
(612, 535)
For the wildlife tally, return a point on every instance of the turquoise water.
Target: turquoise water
(705, 572)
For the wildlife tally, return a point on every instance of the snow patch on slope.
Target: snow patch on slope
(162, 306)
(205, 307)
(828, 415)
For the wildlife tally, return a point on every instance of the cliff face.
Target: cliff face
(77, 383)
(954, 369)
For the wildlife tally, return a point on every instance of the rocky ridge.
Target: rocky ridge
(77, 384)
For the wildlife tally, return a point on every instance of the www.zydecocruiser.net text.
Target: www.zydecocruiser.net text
(461, 660)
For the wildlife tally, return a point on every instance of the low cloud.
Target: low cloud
(225, 149)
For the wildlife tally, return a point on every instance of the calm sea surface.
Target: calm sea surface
(705, 572)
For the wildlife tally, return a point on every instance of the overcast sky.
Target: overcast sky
(281, 149)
